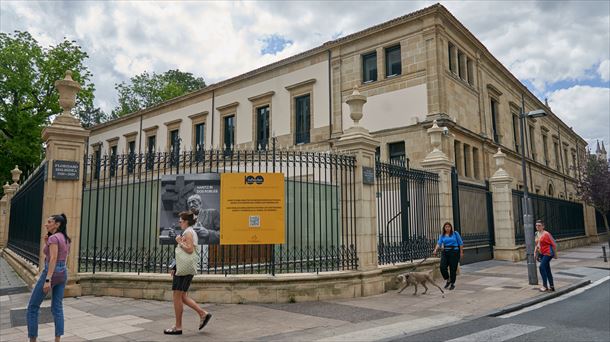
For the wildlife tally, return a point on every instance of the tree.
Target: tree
(146, 90)
(594, 186)
(29, 98)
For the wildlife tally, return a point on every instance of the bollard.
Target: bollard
(604, 253)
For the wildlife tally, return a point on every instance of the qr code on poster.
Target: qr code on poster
(255, 221)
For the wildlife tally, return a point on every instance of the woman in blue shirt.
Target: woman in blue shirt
(453, 250)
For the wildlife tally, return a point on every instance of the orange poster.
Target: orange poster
(252, 208)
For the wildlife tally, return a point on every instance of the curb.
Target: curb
(539, 299)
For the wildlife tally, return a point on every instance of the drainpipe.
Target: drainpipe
(330, 99)
(212, 111)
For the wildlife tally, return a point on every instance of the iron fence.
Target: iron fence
(562, 218)
(120, 217)
(25, 226)
(408, 215)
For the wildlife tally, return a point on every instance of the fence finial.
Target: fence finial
(67, 88)
(355, 101)
(500, 157)
(16, 174)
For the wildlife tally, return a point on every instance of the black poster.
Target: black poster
(199, 193)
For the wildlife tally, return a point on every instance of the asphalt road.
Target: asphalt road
(581, 317)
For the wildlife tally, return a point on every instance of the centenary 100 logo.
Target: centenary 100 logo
(254, 180)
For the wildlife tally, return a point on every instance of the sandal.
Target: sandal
(172, 331)
(204, 320)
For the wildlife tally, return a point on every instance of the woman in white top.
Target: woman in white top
(181, 284)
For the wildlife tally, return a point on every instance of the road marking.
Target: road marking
(555, 300)
(498, 334)
(395, 329)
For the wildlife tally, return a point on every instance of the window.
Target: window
(397, 152)
(113, 160)
(532, 143)
(369, 67)
(557, 161)
(451, 52)
(457, 157)
(475, 162)
(262, 127)
(551, 190)
(97, 156)
(467, 160)
(494, 120)
(460, 60)
(574, 163)
(566, 162)
(545, 148)
(174, 147)
(470, 71)
(516, 136)
(151, 143)
(199, 136)
(302, 126)
(392, 61)
(131, 156)
(377, 153)
(229, 133)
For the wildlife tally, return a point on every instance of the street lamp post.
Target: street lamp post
(528, 219)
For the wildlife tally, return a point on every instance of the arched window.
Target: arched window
(551, 190)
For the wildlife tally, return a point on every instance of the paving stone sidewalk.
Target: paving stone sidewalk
(481, 288)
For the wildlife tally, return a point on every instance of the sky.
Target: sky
(559, 49)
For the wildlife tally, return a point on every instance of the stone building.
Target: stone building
(413, 69)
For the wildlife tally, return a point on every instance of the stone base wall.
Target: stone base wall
(518, 253)
(25, 269)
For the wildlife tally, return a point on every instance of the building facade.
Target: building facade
(414, 69)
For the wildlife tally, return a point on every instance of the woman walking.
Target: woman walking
(546, 249)
(453, 250)
(187, 242)
(53, 277)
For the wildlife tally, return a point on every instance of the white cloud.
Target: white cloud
(604, 70)
(585, 108)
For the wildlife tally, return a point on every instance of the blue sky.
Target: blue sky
(559, 49)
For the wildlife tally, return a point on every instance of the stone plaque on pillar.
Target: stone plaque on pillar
(65, 170)
(368, 175)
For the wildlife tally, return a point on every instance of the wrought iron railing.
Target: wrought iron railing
(408, 215)
(562, 218)
(120, 218)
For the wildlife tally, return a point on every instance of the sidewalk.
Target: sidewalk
(481, 288)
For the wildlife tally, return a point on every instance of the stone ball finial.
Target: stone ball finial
(67, 88)
(16, 173)
(356, 101)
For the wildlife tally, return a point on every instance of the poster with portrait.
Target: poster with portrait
(199, 193)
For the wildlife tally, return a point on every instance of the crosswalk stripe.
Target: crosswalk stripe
(394, 330)
(498, 334)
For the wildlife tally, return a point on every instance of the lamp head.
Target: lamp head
(538, 113)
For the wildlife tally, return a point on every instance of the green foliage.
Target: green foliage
(594, 184)
(146, 90)
(29, 98)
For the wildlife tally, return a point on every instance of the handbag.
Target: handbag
(58, 277)
(187, 264)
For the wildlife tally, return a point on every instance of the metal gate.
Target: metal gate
(473, 218)
(26, 217)
(408, 214)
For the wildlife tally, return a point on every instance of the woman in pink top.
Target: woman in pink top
(53, 277)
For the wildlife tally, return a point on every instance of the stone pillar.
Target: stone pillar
(437, 161)
(5, 212)
(504, 229)
(5, 205)
(590, 223)
(358, 142)
(65, 140)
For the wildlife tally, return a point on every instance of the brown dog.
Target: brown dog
(415, 278)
